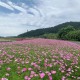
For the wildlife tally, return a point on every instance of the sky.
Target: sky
(18, 16)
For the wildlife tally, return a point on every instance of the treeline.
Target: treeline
(69, 33)
(66, 31)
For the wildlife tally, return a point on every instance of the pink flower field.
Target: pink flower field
(39, 59)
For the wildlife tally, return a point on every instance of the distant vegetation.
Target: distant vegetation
(49, 36)
(73, 35)
(66, 31)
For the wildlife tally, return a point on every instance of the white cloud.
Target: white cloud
(6, 5)
(46, 14)
(16, 7)
(60, 11)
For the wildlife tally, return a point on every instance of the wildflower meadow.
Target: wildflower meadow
(39, 59)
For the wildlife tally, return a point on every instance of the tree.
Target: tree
(73, 35)
(64, 31)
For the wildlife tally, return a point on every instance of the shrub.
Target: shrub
(49, 36)
(64, 31)
(73, 35)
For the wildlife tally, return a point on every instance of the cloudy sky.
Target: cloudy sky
(18, 16)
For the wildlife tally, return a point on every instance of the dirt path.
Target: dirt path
(77, 42)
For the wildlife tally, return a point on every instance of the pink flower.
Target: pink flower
(8, 69)
(49, 74)
(7, 74)
(32, 72)
(35, 75)
(33, 63)
(24, 69)
(31, 76)
(29, 69)
(27, 62)
(4, 79)
(26, 77)
(69, 69)
(42, 75)
(63, 78)
(50, 65)
(53, 72)
(50, 77)
(18, 67)
(62, 71)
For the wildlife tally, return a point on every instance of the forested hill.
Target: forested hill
(55, 29)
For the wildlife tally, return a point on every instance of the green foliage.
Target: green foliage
(49, 36)
(73, 35)
(64, 31)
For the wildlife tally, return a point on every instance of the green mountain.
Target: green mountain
(55, 29)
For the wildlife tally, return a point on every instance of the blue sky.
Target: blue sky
(18, 16)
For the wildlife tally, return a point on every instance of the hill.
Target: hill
(55, 29)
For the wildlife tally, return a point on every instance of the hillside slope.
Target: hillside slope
(55, 29)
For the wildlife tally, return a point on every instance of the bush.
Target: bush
(73, 35)
(64, 31)
(49, 36)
